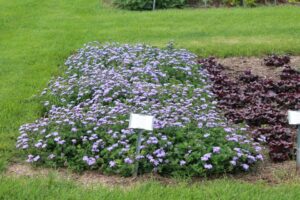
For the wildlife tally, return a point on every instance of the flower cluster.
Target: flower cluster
(85, 125)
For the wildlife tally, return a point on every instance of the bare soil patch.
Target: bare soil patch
(237, 65)
(267, 172)
(87, 178)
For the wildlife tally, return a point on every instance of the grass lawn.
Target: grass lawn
(53, 188)
(37, 36)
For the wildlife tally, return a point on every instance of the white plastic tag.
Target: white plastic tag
(139, 121)
(294, 117)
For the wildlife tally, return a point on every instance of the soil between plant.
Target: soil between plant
(237, 65)
(267, 172)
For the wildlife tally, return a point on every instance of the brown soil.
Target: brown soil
(266, 172)
(237, 65)
(87, 178)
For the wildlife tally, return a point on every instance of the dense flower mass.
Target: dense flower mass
(85, 125)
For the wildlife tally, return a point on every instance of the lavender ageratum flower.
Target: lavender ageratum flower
(74, 129)
(216, 149)
(112, 164)
(61, 142)
(182, 162)
(206, 157)
(38, 145)
(233, 162)
(152, 140)
(245, 167)
(258, 148)
(160, 153)
(30, 158)
(228, 130)
(55, 134)
(89, 160)
(164, 137)
(36, 158)
(139, 157)
(259, 157)
(128, 161)
(57, 139)
(251, 159)
(51, 156)
(85, 158)
(200, 125)
(208, 166)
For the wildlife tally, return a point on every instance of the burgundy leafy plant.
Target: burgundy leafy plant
(277, 61)
(259, 102)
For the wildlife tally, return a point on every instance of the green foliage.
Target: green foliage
(148, 4)
(235, 3)
(191, 144)
(251, 3)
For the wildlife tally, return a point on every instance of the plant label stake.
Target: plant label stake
(205, 3)
(141, 122)
(294, 119)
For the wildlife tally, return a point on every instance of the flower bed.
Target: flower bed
(85, 125)
(260, 102)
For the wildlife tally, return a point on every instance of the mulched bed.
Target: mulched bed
(258, 92)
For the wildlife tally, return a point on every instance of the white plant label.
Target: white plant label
(139, 121)
(294, 117)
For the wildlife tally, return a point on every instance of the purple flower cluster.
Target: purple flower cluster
(88, 107)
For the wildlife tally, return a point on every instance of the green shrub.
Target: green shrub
(250, 3)
(148, 4)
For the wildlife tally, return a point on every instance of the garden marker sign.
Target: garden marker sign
(138, 121)
(141, 122)
(294, 119)
(153, 5)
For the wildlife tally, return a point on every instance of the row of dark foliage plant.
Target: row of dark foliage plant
(261, 103)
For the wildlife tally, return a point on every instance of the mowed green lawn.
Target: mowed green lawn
(51, 188)
(37, 36)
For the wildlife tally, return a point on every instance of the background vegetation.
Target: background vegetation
(162, 4)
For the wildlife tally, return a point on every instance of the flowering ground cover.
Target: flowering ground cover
(85, 125)
(260, 102)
